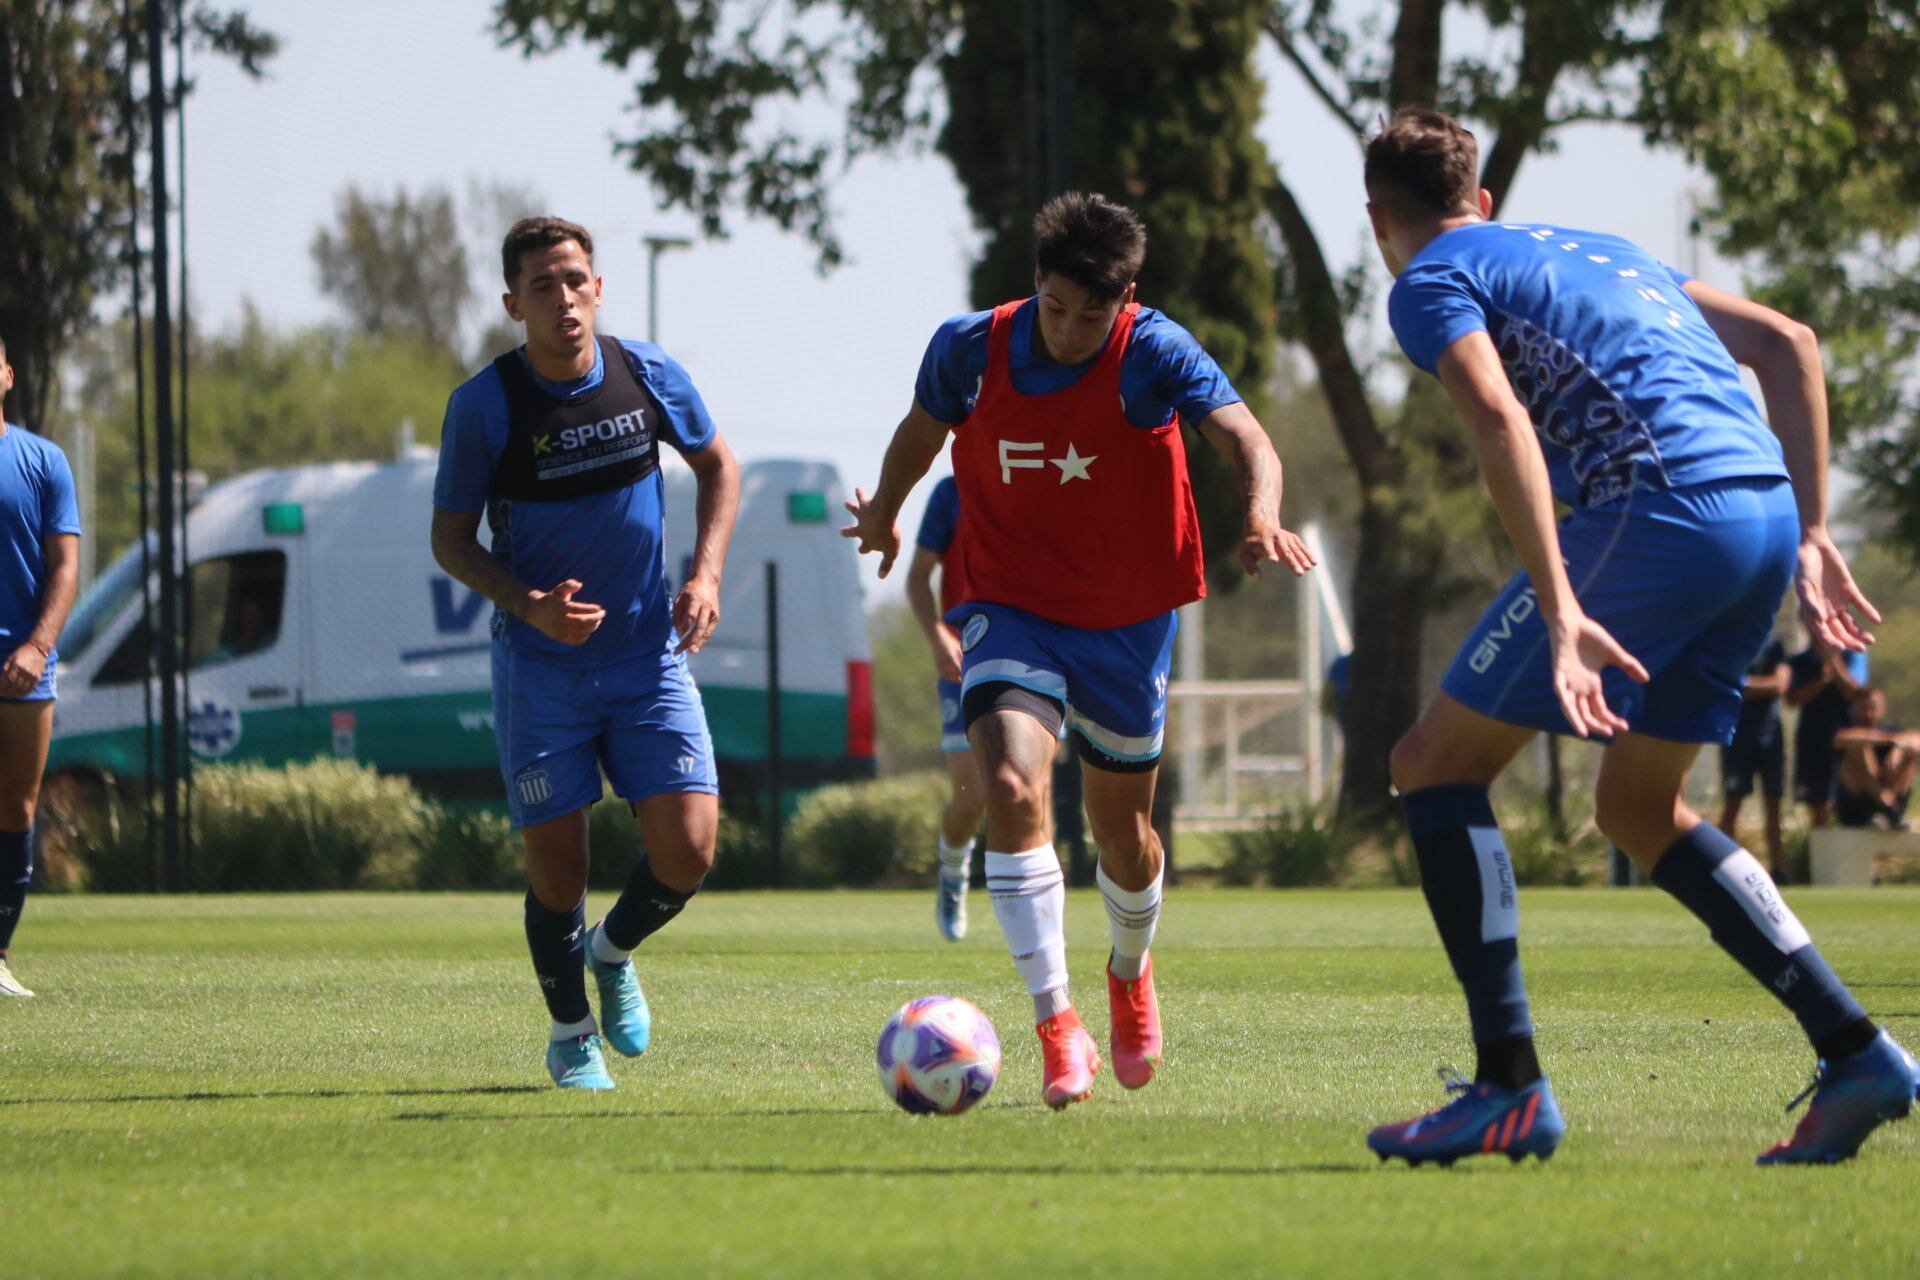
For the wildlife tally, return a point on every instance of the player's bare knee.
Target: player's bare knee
(16, 812)
(1010, 789)
(1411, 764)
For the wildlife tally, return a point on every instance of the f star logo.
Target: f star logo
(1073, 466)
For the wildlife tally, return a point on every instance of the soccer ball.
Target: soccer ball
(938, 1056)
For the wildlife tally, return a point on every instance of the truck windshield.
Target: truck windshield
(104, 600)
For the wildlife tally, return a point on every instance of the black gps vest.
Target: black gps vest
(557, 450)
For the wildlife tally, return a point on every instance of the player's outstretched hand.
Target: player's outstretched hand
(1265, 542)
(695, 614)
(558, 616)
(21, 672)
(873, 532)
(1829, 598)
(1582, 649)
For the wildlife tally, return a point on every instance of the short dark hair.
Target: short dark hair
(1090, 240)
(542, 232)
(1422, 163)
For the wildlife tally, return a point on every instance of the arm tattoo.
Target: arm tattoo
(457, 550)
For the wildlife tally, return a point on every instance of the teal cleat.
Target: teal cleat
(950, 908)
(578, 1063)
(624, 1015)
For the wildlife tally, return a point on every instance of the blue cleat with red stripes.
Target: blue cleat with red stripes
(1851, 1098)
(1482, 1119)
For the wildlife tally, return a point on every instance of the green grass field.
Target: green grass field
(351, 1085)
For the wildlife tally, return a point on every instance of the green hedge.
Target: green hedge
(332, 824)
(868, 833)
(1308, 845)
(329, 824)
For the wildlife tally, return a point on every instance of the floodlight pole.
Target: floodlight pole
(169, 634)
(657, 245)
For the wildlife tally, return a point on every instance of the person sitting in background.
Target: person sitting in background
(1758, 747)
(1824, 683)
(1877, 763)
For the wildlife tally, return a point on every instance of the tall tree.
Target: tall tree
(67, 144)
(397, 265)
(1803, 111)
(718, 80)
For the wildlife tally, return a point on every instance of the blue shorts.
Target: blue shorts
(1688, 580)
(1110, 685)
(1760, 751)
(558, 727)
(46, 690)
(953, 726)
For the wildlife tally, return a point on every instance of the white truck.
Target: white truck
(320, 625)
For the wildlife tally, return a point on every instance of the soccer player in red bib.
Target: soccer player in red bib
(1080, 540)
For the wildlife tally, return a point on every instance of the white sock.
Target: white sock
(605, 952)
(956, 864)
(1135, 915)
(1030, 898)
(574, 1030)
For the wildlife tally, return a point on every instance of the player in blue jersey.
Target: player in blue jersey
(39, 573)
(960, 818)
(557, 444)
(1588, 372)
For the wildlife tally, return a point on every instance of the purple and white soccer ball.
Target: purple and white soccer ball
(938, 1056)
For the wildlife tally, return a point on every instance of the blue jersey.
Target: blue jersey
(611, 542)
(36, 504)
(1165, 369)
(1629, 388)
(942, 517)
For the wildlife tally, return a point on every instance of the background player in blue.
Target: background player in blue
(1758, 748)
(39, 573)
(960, 819)
(557, 443)
(1585, 370)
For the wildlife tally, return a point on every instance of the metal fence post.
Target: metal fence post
(775, 802)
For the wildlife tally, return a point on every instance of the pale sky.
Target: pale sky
(791, 363)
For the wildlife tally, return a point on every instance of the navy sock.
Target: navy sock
(1468, 881)
(644, 907)
(555, 939)
(1732, 893)
(16, 868)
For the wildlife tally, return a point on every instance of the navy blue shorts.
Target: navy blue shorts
(1688, 580)
(1111, 685)
(1761, 754)
(558, 727)
(1815, 767)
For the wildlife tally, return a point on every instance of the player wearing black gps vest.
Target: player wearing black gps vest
(558, 444)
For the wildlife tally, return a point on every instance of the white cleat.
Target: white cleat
(10, 985)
